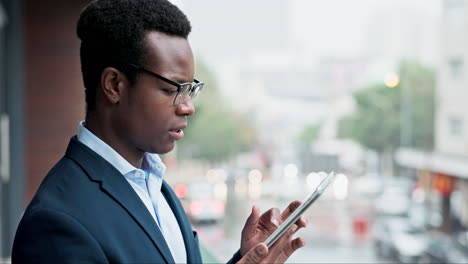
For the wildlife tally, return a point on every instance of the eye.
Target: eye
(169, 91)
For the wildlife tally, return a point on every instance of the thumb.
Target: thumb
(251, 223)
(255, 254)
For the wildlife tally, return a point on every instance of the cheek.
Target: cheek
(155, 116)
(155, 122)
(150, 112)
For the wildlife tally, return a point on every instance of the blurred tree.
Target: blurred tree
(420, 107)
(377, 121)
(214, 132)
(310, 133)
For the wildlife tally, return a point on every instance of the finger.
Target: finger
(290, 248)
(294, 245)
(302, 222)
(291, 207)
(277, 249)
(251, 224)
(255, 254)
(270, 220)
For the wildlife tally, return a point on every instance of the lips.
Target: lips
(177, 133)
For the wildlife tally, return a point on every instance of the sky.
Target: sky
(341, 26)
(317, 27)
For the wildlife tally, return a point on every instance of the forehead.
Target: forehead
(167, 53)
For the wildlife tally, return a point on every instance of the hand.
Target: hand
(257, 229)
(281, 250)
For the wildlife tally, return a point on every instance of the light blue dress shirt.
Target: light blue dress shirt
(146, 182)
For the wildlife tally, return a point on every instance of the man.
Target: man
(105, 201)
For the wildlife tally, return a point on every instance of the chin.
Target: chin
(163, 149)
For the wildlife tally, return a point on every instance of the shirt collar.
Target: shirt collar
(151, 162)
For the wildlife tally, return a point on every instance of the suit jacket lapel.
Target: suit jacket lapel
(184, 224)
(116, 186)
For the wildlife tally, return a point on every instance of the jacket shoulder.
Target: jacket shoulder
(49, 236)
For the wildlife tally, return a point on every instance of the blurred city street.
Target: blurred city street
(319, 248)
(366, 219)
(330, 237)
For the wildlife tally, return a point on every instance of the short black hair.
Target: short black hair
(112, 34)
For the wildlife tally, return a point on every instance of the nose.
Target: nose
(186, 108)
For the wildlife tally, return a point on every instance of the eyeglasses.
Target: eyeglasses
(182, 88)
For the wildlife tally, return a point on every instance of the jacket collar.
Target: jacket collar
(192, 249)
(115, 185)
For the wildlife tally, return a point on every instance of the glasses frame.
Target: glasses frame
(182, 88)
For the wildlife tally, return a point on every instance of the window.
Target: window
(455, 126)
(456, 68)
(455, 13)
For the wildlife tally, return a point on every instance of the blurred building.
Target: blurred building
(41, 99)
(403, 30)
(445, 170)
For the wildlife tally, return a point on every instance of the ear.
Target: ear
(113, 83)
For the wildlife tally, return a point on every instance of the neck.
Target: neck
(102, 129)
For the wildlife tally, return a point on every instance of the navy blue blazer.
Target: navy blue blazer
(86, 211)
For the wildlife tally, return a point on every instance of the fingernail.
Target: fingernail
(294, 228)
(275, 222)
(302, 243)
(260, 251)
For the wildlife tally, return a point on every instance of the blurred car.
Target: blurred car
(394, 201)
(411, 246)
(382, 235)
(202, 205)
(397, 239)
(444, 248)
(369, 185)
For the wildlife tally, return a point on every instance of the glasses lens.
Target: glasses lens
(184, 90)
(196, 90)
